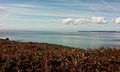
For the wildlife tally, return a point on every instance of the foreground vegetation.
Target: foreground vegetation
(43, 57)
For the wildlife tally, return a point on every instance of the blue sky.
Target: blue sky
(64, 15)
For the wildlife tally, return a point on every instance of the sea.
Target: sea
(78, 39)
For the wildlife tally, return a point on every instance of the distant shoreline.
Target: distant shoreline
(99, 31)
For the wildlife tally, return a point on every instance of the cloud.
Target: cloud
(116, 20)
(92, 20)
(26, 10)
(73, 21)
(2, 26)
(99, 20)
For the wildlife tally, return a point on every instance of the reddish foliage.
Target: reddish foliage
(43, 57)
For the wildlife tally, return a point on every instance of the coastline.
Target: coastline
(43, 57)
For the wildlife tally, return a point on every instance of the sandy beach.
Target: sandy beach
(42, 57)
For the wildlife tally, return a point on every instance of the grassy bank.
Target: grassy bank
(43, 57)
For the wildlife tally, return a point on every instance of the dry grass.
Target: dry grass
(43, 57)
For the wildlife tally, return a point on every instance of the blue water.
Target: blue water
(72, 39)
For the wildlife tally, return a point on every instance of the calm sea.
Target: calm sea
(72, 39)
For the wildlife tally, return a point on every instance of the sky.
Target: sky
(63, 15)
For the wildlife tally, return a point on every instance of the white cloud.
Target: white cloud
(67, 21)
(81, 21)
(73, 21)
(99, 20)
(116, 20)
(3, 26)
(92, 20)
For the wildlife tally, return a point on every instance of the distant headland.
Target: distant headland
(99, 31)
